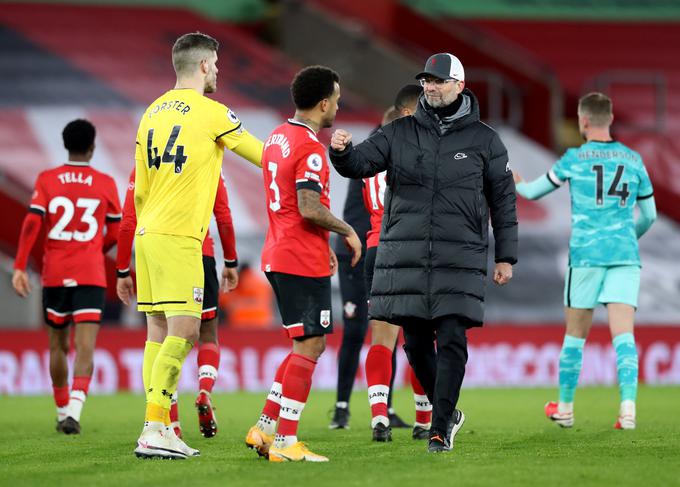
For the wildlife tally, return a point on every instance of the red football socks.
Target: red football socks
(81, 384)
(295, 387)
(273, 404)
(423, 406)
(378, 375)
(61, 396)
(208, 365)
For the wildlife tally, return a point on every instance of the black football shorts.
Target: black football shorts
(304, 304)
(77, 304)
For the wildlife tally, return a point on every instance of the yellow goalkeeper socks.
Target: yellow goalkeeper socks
(165, 376)
(151, 350)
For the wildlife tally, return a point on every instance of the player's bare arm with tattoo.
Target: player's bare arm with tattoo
(311, 209)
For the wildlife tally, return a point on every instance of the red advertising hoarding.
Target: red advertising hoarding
(499, 356)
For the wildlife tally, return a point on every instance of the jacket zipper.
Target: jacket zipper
(429, 236)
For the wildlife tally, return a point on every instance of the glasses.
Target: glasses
(434, 81)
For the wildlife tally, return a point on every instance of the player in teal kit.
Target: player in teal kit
(606, 180)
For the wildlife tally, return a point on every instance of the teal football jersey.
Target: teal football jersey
(605, 180)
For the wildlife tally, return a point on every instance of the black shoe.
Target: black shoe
(397, 422)
(70, 426)
(420, 433)
(382, 433)
(455, 423)
(340, 419)
(438, 442)
(60, 426)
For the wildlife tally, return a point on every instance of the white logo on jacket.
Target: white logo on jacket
(459, 156)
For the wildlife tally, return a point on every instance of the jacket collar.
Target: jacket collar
(425, 114)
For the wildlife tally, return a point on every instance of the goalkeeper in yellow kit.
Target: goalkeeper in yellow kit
(180, 144)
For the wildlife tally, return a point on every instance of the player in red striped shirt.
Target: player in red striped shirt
(80, 209)
(384, 335)
(208, 351)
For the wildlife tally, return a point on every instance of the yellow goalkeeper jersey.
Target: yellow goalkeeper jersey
(180, 145)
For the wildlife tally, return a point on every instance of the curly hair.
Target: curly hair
(78, 136)
(311, 85)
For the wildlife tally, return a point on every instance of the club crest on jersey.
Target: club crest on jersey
(198, 295)
(232, 117)
(325, 318)
(315, 162)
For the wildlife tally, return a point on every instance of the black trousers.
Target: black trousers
(355, 320)
(439, 371)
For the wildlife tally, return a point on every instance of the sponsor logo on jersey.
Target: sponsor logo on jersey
(325, 318)
(198, 295)
(315, 162)
(313, 176)
(232, 117)
(459, 156)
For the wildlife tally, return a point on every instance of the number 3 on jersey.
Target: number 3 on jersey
(178, 157)
(274, 204)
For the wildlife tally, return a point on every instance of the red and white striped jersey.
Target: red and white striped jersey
(374, 200)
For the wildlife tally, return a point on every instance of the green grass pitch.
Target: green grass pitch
(505, 441)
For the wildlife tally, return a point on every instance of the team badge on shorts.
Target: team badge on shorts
(198, 295)
(325, 318)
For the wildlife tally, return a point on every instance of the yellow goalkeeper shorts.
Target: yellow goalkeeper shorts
(169, 274)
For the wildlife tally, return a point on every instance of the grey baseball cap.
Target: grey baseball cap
(443, 66)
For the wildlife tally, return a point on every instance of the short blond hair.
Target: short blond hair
(190, 49)
(597, 107)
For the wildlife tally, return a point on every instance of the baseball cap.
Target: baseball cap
(443, 66)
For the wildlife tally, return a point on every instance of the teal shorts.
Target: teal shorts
(586, 287)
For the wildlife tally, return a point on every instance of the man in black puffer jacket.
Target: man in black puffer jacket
(447, 172)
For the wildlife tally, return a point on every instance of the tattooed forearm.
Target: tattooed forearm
(311, 209)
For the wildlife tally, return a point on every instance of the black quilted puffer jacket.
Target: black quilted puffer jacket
(442, 189)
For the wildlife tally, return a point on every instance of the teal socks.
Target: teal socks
(626, 365)
(571, 360)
